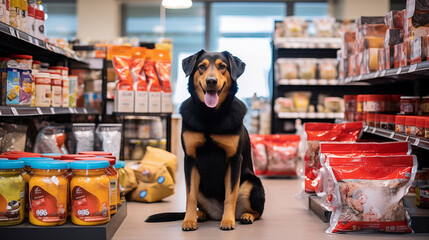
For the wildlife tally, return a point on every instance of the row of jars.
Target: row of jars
(410, 125)
(48, 188)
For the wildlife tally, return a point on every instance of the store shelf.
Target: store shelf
(133, 140)
(415, 141)
(309, 82)
(8, 111)
(315, 204)
(141, 114)
(307, 42)
(408, 73)
(306, 53)
(304, 115)
(14, 41)
(67, 231)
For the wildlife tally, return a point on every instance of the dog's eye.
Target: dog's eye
(222, 67)
(202, 67)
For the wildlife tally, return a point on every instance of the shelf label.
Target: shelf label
(412, 68)
(359, 77)
(376, 74)
(12, 31)
(14, 111)
(383, 73)
(374, 130)
(0, 113)
(416, 143)
(71, 110)
(52, 110)
(39, 111)
(17, 34)
(399, 70)
(85, 110)
(392, 134)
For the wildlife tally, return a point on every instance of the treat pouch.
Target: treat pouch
(371, 191)
(282, 154)
(259, 155)
(163, 68)
(139, 79)
(153, 82)
(124, 94)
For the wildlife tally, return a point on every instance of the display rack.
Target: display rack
(68, 231)
(8, 111)
(390, 134)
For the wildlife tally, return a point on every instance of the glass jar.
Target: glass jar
(48, 193)
(410, 125)
(89, 190)
(400, 124)
(370, 119)
(390, 119)
(424, 105)
(427, 128)
(420, 126)
(12, 188)
(410, 105)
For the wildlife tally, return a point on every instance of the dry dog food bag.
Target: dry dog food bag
(160, 155)
(370, 190)
(282, 154)
(326, 187)
(124, 93)
(139, 78)
(324, 132)
(259, 155)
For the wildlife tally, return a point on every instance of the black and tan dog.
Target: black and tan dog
(220, 181)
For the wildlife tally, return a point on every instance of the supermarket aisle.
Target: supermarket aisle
(284, 218)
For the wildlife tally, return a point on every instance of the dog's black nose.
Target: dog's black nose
(211, 82)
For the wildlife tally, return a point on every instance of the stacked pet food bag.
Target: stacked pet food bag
(362, 183)
(143, 79)
(49, 188)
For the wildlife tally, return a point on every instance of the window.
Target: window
(245, 30)
(311, 10)
(60, 20)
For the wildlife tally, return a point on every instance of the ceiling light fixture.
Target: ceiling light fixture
(177, 4)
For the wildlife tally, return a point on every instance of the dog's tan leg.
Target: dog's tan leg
(231, 193)
(201, 215)
(190, 221)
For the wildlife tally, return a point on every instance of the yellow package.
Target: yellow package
(160, 155)
(130, 182)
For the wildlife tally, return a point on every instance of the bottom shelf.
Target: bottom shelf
(66, 231)
(419, 217)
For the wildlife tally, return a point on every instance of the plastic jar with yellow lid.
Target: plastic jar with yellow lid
(120, 167)
(89, 189)
(48, 193)
(12, 188)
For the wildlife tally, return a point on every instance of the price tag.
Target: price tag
(52, 110)
(383, 73)
(14, 111)
(417, 141)
(17, 34)
(399, 70)
(39, 111)
(71, 110)
(12, 31)
(392, 134)
(85, 110)
(412, 68)
(365, 129)
(359, 77)
(374, 130)
(0, 113)
(376, 74)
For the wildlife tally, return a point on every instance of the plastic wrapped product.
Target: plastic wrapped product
(110, 136)
(295, 27)
(369, 20)
(154, 85)
(124, 94)
(418, 49)
(163, 68)
(25, 84)
(282, 155)
(393, 37)
(287, 68)
(307, 69)
(328, 68)
(46, 141)
(139, 78)
(15, 138)
(371, 191)
(12, 84)
(84, 136)
(259, 155)
(284, 105)
(394, 19)
(317, 132)
(325, 27)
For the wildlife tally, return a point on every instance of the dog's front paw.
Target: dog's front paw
(201, 216)
(227, 224)
(247, 218)
(189, 225)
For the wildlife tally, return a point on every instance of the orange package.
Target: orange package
(154, 86)
(163, 68)
(124, 95)
(139, 78)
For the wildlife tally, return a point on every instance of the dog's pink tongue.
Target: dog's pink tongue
(211, 99)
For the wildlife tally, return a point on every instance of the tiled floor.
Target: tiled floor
(284, 218)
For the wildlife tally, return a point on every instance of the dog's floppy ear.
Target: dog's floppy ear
(236, 65)
(188, 63)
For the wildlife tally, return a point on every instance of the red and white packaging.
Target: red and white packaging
(323, 132)
(259, 155)
(371, 191)
(326, 187)
(139, 78)
(154, 86)
(282, 155)
(124, 94)
(163, 68)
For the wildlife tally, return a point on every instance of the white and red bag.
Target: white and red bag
(323, 132)
(371, 191)
(282, 155)
(325, 189)
(259, 155)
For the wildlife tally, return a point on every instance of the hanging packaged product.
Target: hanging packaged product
(30, 19)
(124, 94)
(326, 188)
(48, 193)
(12, 85)
(139, 79)
(42, 90)
(25, 84)
(154, 86)
(282, 154)
(89, 189)
(39, 24)
(56, 83)
(163, 68)
(259, 155)
(370, 190)
(12, 189)
(65, 91)
(327, 132)
(84, 136)
(72, 90)
(109, 135)
(15, 13)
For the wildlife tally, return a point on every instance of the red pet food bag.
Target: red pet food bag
(324, 132)
(121, 58)
(259, 155)
(326, 187)
(371, 191)
(282, 155)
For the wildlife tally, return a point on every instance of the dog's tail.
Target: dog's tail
(166, 217)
